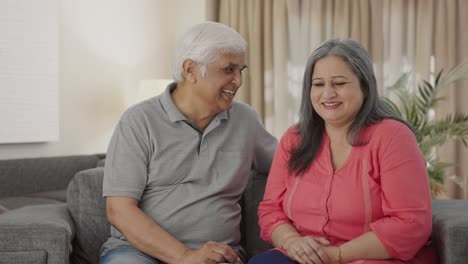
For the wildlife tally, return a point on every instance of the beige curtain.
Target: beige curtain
(400, 35)
(263, 24)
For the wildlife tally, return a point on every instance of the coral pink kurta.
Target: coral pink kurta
(382, 187)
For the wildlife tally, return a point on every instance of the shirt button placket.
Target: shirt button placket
(326, 207)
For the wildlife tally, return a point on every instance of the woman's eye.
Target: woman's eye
(317, 84)
(229, 70)
(340, 84)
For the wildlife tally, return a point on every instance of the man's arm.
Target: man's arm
(150, 238)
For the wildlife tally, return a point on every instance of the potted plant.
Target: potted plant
(416, 106)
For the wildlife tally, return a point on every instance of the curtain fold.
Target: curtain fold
(400, 35)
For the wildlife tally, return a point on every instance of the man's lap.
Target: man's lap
(126, 254)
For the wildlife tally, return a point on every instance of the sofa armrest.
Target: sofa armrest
(87, 208)
(450, 230)
(36, 234)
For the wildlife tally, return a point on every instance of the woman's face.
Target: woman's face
(336, 93)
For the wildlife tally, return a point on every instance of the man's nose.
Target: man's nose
(238, 79)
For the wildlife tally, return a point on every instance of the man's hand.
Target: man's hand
(211, 252)
(308, 249)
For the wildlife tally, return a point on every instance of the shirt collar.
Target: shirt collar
(173, 112)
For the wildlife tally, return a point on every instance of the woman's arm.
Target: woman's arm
(405, 194)
(406, 202)
(366, 246)
(270, 210)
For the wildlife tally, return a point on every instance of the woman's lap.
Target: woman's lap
(271, 257)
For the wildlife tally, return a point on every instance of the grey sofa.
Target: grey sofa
(36, 225)
(73, 232)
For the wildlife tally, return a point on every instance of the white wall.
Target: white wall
(106, 47)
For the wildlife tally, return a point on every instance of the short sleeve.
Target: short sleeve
(125, 172)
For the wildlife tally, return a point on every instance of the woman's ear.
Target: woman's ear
(189, 70)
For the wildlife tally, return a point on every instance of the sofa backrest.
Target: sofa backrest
(31, 175)
(87, 208)
(253, 195)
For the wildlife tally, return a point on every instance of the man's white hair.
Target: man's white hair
(203, 43)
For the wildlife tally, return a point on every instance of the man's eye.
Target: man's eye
(317, 84)
(229, 70)
(339, 83)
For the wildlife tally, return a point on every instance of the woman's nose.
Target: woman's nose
(329, 91)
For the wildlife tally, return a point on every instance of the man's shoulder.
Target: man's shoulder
(141, 110)
(240, 108)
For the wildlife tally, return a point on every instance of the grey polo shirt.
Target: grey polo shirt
(188, 181)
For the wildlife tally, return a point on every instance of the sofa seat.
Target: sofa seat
(36, 234)
(50, 197)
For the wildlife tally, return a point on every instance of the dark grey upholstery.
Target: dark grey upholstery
(450, 230)
(88, 209)
(36, 234)
(37, 227)
(250, 229)
(39, 180)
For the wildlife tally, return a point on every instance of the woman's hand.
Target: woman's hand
(307, 250)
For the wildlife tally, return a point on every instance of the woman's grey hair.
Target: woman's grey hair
(311, 126)
(203, 43)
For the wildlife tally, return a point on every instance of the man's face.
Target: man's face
(222, 79)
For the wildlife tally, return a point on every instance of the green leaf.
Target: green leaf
(414, 106)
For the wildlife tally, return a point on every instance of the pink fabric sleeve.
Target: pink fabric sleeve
(406, 199)
(270, 210)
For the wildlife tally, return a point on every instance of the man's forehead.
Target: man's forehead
(231, 59)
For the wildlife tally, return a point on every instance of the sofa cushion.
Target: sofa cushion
(32, 175)
(21, 201)
(32, 229)
(3, 209)
(59, 195)
(24, 257)
(450, 230)
(88, 209)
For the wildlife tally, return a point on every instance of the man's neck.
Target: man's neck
(189, 105)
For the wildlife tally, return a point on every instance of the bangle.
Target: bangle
(183, 255)
(338, 256)
(283, 241)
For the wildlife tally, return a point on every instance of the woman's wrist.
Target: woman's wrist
(288, 238)
(338, 255)
(334, 254)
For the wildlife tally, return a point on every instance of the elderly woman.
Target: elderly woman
(348, 183)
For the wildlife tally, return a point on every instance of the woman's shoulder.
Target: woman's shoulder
(388, 130)
(389, 127)
(291, 137)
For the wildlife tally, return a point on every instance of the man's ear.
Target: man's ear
(189, 68)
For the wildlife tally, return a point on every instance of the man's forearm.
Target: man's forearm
(145, 234)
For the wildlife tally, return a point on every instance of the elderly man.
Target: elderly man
(178, 163)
